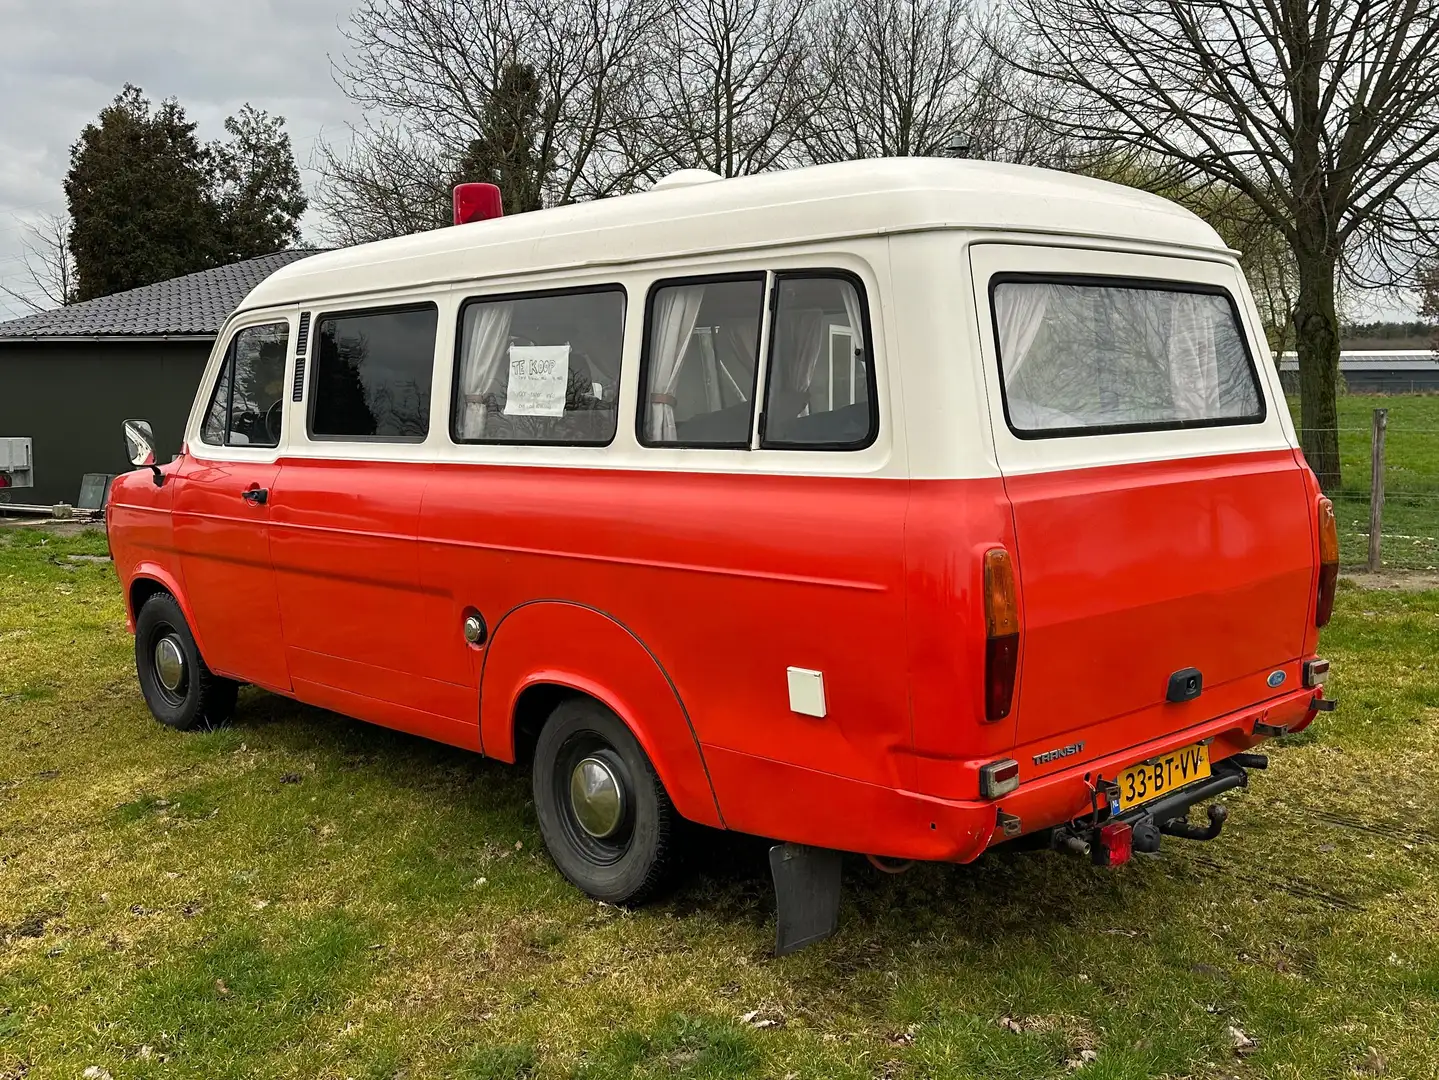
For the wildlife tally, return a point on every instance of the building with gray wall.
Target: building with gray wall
(70, 377)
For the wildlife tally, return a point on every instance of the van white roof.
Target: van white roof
(819, 203)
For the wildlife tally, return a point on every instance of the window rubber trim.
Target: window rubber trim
(1132, 283)
(312, 392)
(760, 277)
(540, 294)
(871, 377)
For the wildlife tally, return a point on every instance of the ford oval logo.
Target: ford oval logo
(1276, 678)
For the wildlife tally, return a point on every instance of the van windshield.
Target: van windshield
(1086, 358)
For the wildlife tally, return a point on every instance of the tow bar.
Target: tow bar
(1110, 839)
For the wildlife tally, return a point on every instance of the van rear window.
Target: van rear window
(1088, 357)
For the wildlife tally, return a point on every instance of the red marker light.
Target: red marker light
(1116, 844)
(477, 202)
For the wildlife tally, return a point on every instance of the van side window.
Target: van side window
(247, 406)
(1090, 356)
(820, 392)
(542, 368)
(700, 362)
(371, 375)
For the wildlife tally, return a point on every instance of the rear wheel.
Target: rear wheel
(181, 691)
(606, 818)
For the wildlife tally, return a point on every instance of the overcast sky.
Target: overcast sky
(62, 61)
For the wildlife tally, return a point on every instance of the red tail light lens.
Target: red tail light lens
(998, 778)
(1116, 845)
(1328, 563)
(1001, 625)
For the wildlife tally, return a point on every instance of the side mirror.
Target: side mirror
(140, 447)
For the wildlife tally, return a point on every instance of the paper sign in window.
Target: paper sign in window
(539, 375)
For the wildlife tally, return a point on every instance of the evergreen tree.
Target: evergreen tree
(510, 150)
(257, 191)
(139, 204)
(149, 201)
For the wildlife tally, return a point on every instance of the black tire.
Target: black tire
(200, 698)
(637, 859)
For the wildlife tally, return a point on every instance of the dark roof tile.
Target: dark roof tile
(196, 304)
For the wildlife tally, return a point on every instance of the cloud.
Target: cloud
(61, 61)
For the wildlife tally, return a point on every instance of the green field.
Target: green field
(1411, 479)
(300, 895)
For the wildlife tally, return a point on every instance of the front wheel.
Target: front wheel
(181, 691)
(606, 818)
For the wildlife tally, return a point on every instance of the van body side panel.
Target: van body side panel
(949, 527)
(727, 581)
(1132, 573)
(344, 544)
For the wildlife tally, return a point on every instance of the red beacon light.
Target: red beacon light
(477, 202)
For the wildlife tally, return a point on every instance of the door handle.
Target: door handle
(258, 495)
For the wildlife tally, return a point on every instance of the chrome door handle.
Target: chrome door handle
(258, 496)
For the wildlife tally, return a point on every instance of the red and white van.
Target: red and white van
(897, 507)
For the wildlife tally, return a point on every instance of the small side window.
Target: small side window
(371, 374)
(701, 360)
(542, 368)
(820, 392)
(247, 406)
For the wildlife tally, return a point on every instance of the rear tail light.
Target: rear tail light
(998, 778)
(1315, 672)
(1328, 563)
(1001, 626)
(1115, 846)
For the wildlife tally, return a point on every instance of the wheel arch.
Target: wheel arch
(546, 650)
(149, 579)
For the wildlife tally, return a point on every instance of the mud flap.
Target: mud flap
(806, 891)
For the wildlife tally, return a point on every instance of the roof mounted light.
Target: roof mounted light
(477, 202)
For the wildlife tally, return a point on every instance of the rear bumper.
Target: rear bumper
(804, 806)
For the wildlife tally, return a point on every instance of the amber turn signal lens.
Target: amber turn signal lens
(1001, 624)
(1001, 610)
(1328, 563)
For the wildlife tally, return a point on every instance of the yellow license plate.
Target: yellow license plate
(1140, 783)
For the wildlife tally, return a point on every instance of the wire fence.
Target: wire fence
(1406, 508)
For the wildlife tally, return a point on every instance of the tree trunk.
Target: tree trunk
(1316, 337)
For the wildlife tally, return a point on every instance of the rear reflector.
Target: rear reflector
(998, 778)
(1328, 563)
(1115, 846)
(1315, 672)
(1001, 626)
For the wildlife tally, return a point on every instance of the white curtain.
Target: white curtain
(486, 339)
(1019, 309)
(855, 316)
(809, 335)
(675, 314)
(1193, 360)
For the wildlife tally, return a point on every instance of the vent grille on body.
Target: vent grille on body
(300, 346)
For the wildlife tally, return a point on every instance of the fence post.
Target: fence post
(1376, 487)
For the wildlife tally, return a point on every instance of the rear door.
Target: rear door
(1161, 514)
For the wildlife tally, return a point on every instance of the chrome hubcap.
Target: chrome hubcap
(597, 798)
(170, 663)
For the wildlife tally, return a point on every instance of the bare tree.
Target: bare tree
(1429, 299)
(432, 74)
(48, 265)
(1323, 113)
(900, 78)
(384, 182)
(729, 87)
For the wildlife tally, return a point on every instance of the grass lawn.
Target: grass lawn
(1411, 478)
(300, 895)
